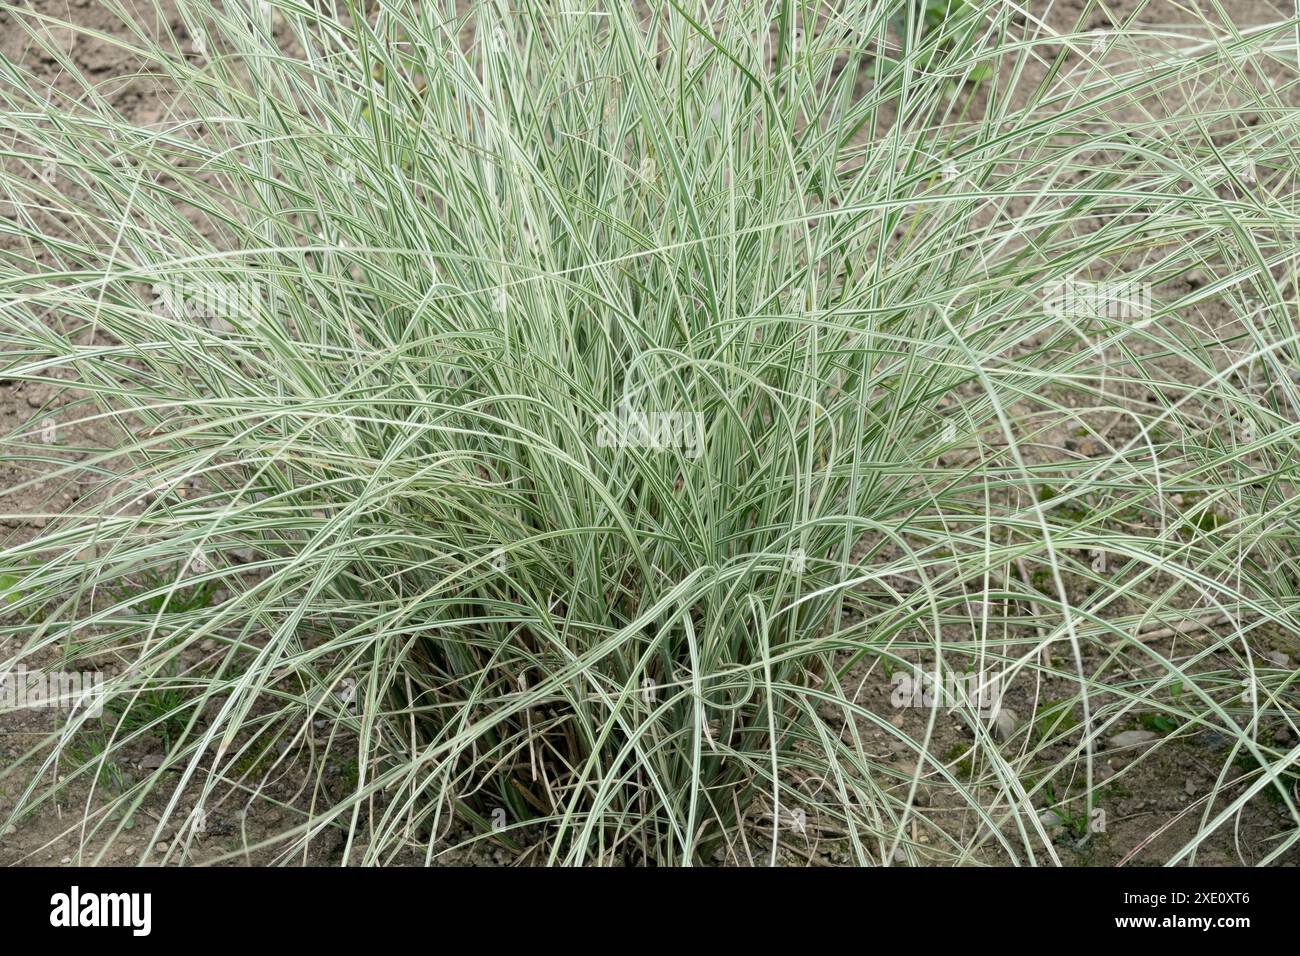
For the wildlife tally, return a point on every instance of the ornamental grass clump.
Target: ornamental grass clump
(539, 424)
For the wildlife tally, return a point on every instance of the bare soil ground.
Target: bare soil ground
(1151, 805)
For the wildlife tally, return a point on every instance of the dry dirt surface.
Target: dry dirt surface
(1150, 807)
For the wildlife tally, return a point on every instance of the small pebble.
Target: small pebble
(1131, 738)
(1280, 659)
(1004, 724)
